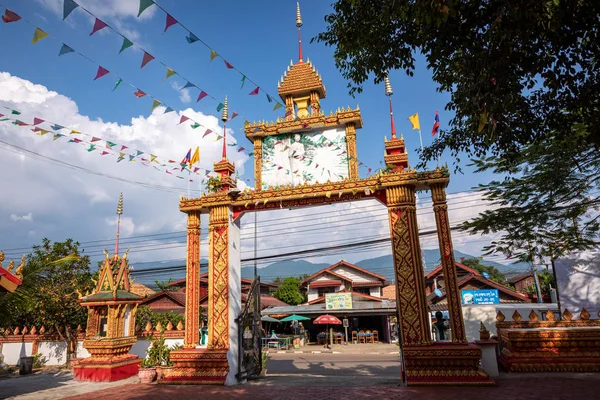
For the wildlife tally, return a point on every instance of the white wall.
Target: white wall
(235, 298)
(474, 314)
(53, 353)
(12, 352)
(352, 274)
(578, 280)
(375, 291)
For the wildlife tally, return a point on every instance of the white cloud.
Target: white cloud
(184, 94)
(68, 202)
(27, 217)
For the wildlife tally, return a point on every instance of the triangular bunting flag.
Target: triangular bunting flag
(131, 158)
(101, 72)
(42, 132)
(241, 149)
(269, 98)
(109, 145)
(183, 119)
(220, 107)
(74, 132)
(213, 55)
(56, 127)
(98, 24)
(139, 153)
(218, 138)
(277, 106)
(187, 85)
(152, 157)
(124, 147)
(10, 16)
(243, 81)
(139, 93)
(168, 173)
(76, 140)
(155, 104)
(208, 132)
(126, 44)
(37, 121)
(170, 73)
(228, 65)
(68, 7)
(143, 5)
(147, 58)
(38, 35)
(254, 92)
(195, 125)
(57, 136)
(233, 115)
(117, 83)
(20, 123)
(121, 157)
(104, 153)
(95, 139)
(202, 95)
(91, 148)
(170, 22)
(168, 110)
(65, 50)
(191, 38)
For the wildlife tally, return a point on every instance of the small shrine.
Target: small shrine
(110, 331)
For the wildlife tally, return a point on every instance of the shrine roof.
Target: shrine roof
(301, 78)
(108, 295)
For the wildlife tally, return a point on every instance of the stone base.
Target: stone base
(106, 371)
(444, 364)
(197, 367)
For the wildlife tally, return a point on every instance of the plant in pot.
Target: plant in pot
(158, 356)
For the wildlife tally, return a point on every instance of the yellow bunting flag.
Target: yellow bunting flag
(266, 201)
(414, 120)
(155, 104)
(38, 35)
(213, 54)
(74, 132)
(42, 132)
(196, 157)
(152, 158)
(170, 73)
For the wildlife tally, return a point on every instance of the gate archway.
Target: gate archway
(302, 90)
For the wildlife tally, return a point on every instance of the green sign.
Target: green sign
(338, 301)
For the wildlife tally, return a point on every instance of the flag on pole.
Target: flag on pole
(436, 125)
(196, 157)
(414, 120)
(186, 159)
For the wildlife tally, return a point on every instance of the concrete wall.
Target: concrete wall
(13, 351)
(352, 274)
(474, 314)
(53, 353)
(235, 298)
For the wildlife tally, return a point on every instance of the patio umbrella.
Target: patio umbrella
(266, 318)
(295, 317)
(328, 319)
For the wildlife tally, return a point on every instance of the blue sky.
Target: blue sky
(259, 38)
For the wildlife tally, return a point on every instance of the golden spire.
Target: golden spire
(299, 25)
(225, 115)
(389, 92)
(119, 213)
(120, 204)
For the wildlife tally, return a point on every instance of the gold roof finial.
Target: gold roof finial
(225, 115)
(120, 205)
(298, 16)
(388, 86)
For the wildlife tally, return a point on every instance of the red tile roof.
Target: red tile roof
(326, 283)
(488, 282)
(367, 284)
(459, 265)
(329, 270)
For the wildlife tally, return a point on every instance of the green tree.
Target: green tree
(289, 291)
(494, 273)
(164, 285)
(546, 280)
(55, 304)
(523, 83)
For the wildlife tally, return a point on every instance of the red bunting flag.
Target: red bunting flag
(208, 132)
(104, 153)
(10, 16)
(37, 121)
(95, 139)
(183, 119)
(170, 22)
(228, 65)
(123, 147)
(233, 115)
(202, 95)
(139, 93)
(172, 161)
(168, 173)
(254, 92)
(101, 72)
(147, 58)
(98, 24)
(77, 140)
(241, 149)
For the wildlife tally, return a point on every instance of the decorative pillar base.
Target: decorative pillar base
(106, 371)
(110, 360)
(197, 367)
(444, 364)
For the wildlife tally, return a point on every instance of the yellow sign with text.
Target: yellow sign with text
(338, 301)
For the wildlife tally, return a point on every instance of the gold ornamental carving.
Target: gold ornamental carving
(192, 299)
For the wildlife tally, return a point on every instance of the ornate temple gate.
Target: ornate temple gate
(250, 356)
(301, 90)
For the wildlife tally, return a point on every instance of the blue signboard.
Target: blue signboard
(438, 292)
(487, 296)
(485, 275)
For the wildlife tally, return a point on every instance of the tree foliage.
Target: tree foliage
(145, 314)
(523, 80)
(289, 291)
(494, 273)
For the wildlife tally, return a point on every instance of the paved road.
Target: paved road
(331, 369)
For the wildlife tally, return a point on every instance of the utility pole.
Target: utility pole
(535, 275)
(255, 220)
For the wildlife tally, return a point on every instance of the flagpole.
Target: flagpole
(420, 139)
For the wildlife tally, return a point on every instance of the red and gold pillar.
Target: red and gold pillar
(218, 278)
(351, 147)
(440, 208)
(406, 250)
(192, 290)
(258, 163)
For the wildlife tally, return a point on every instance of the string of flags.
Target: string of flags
(70, 5)
(105, 147)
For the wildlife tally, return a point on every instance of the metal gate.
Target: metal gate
(250, 357)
